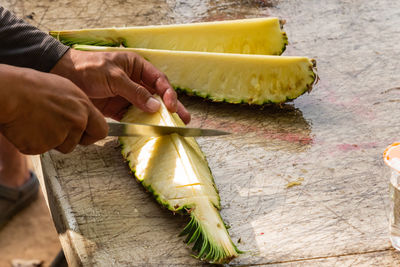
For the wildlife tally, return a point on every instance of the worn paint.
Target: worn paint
(338, 217)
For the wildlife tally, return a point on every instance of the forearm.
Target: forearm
(8, 75)
(10, 78)
(24, 45)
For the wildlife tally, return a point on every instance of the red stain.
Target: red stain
(352, 147)
(353, 105)
(242, 128)
(261, 233)
(288, 137)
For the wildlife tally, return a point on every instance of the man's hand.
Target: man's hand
(114, 80)
(41, 111)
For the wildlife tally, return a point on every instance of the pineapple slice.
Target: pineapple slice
(175, 170)
(248, 36)
(234, 78)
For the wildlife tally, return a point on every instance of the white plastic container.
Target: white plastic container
(391, 157)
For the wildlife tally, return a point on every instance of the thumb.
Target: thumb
(138, 95)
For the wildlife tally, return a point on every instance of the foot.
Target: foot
(18, 186)
(13, 200)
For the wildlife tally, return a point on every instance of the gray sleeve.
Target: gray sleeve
(23, 45)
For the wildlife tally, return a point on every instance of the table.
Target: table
(330, 140)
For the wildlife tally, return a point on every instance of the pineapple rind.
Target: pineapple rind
(234, 78)
(181, 209)
(70, 37)
(206, 229)
(205, 249)
(247, 36)
(308, 87)
(203, 241)
(285, 43)
(226, 99)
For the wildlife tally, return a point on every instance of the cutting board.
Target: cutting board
(329, 143)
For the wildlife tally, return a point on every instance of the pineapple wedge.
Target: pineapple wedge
(234, 78)
(175, 170)
(247, 36)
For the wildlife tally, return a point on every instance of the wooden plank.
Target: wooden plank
(384, 258)
(333, 138)
(77, 248)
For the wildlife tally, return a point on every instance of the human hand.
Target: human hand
(114, 80)
(41, 111)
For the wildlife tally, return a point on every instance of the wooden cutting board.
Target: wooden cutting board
(329, 142)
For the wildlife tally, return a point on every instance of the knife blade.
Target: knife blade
(140, 129)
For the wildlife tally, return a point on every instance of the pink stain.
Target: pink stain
(353, 105)
(289, 137)
(352, 147)
(242, 128)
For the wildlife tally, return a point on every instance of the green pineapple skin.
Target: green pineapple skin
(285, 44)
(165, 204)
(284, 97)
(73, 37)
(307, 88)
(203, 249)
(121, 42)
(191, 92)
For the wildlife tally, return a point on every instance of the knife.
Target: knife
(140, 129)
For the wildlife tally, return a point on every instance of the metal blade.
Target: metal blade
(139, 129)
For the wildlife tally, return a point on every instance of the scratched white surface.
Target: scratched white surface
(332, 138)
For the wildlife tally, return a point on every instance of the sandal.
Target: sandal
(59, 260)
(13, 200)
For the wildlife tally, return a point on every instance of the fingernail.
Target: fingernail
(152, 104)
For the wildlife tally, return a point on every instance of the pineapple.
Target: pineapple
(234, 78)
(247, 36)
(175, 170)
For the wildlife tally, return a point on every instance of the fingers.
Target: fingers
(170, 100)
(114, 107)
(96, 127)
(157, 81)
(183, 113)
(141, 96)
(70, 142)
(138, 95)
(138, 70)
